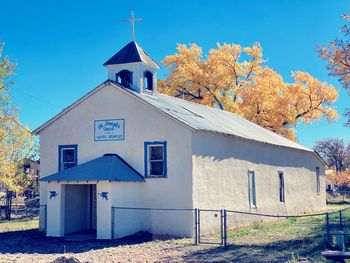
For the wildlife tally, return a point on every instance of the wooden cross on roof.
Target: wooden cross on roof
(132, 21)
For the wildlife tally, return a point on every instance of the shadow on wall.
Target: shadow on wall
(220, 148)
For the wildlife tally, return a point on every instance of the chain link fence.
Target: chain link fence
(241, 229)
(263, 231)
(337, 236)
(152, 223)
(338, 197)
(210, 226)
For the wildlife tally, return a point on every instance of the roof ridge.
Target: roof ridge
(141, 50)
(137, 49)
(219, 111)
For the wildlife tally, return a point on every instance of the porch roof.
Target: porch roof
(109, 167)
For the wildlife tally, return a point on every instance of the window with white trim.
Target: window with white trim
(251, 189)
(281, 186)
(155, 159)
(67, 156)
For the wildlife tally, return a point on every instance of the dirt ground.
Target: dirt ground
(32, 246)
(288, 241)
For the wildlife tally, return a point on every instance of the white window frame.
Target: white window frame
(252, 189)
(148, 160)
(62, 162)
(281, 185)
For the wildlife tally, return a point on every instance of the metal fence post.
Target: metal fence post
(326, 237)
(225, 228)
(222, 226)
(340, 220)
(199, 225)
(196, 226)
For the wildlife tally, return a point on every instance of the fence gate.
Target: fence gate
(210, 226)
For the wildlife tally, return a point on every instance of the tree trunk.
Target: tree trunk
(8, 204)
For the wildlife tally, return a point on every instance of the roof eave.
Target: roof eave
(68, 108)
(319, 157)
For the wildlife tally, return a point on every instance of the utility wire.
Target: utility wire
(37, 98)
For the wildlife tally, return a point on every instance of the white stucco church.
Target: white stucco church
(124, 144)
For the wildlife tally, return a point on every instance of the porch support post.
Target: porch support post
(55, 209)
(104, 210)
(43, 207)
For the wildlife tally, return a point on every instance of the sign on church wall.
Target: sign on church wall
(109, 130)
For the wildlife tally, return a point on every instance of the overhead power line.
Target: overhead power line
(37, 98)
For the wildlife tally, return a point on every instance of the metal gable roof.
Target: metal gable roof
(195, 116)
(200, 117)
(131, 53)
(109, 167)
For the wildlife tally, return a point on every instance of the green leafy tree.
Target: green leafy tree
(16, 140)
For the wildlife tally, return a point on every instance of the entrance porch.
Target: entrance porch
(77, 209)
(80, 198)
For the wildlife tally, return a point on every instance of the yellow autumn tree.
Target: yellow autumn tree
(16, 141)
(338, 178)
(236, 79)
(337, 56)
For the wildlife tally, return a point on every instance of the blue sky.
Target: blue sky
(60, 46)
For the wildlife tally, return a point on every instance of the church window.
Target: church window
(281, 187)
(148, 80)
(251, 189)
(155, 159)
(67, 156)
(124, 78)
(318, 181)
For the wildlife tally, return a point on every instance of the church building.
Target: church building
(123, 144)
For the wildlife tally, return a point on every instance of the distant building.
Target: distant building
(32, 167)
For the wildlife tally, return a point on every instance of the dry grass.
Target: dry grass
(288, 240)
(19, 225)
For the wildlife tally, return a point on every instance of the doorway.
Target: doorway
(80, 210)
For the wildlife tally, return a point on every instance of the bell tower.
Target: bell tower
(132, 67)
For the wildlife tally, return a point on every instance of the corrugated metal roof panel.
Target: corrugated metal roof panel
(200, 117)
(105, 168)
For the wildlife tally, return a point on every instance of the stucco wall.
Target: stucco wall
(126, 221)
(142, 123)
(55, 210)
(220, 175)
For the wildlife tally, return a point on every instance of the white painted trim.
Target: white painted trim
(83, 98)
(67, 109)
